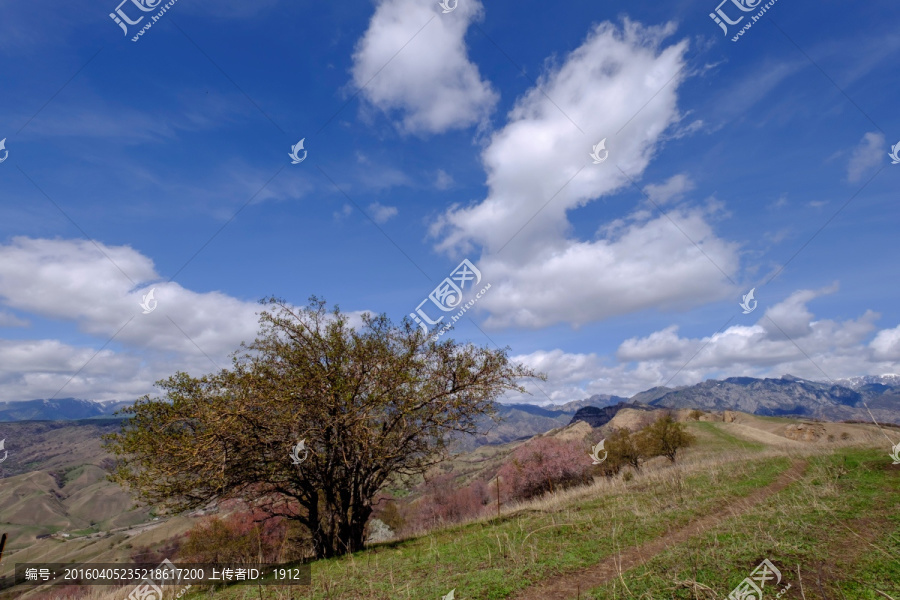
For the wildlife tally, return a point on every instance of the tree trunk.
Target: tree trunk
(339, 534)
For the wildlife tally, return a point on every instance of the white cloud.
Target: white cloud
(674, 188)
(866, 156)
(886, 345)
(8, 319)
(427, 77)
(43, 368)
(442, 180)
(380, 213)
(346, 211)
(99, 289)
(817, 349)
(538, 169)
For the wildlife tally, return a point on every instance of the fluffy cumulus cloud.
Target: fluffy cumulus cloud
(786, 339)
(47, 368)
(538, 169)
(886, 345)
(99, 288)
(413, 59)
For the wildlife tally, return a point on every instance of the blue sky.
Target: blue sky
(435, 137)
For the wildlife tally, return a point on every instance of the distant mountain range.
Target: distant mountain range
(788, 395)
(62, 409)
(841, 400)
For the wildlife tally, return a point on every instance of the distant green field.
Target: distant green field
(722, 439)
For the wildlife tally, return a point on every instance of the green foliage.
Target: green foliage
(665, 437)
(374, 403)
(389, 513)
(624, 450)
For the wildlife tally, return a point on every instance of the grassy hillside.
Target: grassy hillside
(54, 484)
(833, 529)
(827, 514)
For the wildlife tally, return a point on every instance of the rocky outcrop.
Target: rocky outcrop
(730, 416)
(633, 420)
(805, 432)
(712, 417)
(598, 417)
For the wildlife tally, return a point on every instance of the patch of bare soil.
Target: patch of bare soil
(569, 585)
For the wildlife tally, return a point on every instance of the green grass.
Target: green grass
(784, 420)
(840, 525)
(70, 474)
(491, 560)
(721, 439)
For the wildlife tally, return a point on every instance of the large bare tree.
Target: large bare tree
(374, 403)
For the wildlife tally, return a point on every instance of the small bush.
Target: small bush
(443, 502)
(545, 465)
(388, 512)
(665, 437)
(156, 554)
(243, 537)
(624, 449)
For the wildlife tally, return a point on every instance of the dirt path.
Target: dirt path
(569, 585)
